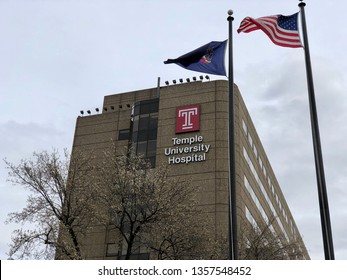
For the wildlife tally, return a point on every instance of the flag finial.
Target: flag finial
(302, 4)
(230, 13)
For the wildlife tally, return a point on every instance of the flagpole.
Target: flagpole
(233, 243)
(322, 192)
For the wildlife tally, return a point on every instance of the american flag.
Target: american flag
(282, 30)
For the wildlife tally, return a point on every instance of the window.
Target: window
(144, 128)
(244, 126)
(124, 134)
(260, 162)
(250, 140)
(259, 182)
(251, 219)
(255, 199)
(111, 249)
(255, 151)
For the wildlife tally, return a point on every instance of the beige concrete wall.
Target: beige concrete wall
(211, 176)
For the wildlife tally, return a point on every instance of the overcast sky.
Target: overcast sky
(58, 57)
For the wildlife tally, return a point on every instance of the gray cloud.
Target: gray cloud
(59, 57)
(280, 111)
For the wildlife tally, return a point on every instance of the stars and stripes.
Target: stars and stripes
(282, 30)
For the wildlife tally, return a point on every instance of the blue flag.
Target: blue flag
(207, 59)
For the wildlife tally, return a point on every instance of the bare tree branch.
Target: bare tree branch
(55, 207)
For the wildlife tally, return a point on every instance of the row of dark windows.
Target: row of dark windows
(146, 107)
(142, 135)
(145, 121)
(114, 250)
(124, 134)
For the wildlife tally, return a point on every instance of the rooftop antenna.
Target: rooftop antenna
(158, 87)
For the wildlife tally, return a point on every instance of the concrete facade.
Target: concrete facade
(259, 196)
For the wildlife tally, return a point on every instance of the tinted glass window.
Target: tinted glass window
(142, 148)
(144, 121)
(144, 128)
(124, 134)
(142, 135)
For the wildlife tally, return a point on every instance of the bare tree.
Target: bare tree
(151, 211)
(260, 242)
(60, 199)
(188, 236)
